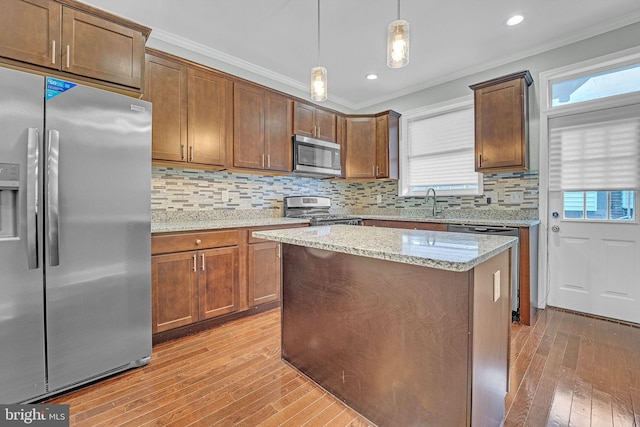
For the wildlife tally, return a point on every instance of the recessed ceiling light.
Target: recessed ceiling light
(514, 20)
(371, 76)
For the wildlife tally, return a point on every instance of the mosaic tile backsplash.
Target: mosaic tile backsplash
(199, 194)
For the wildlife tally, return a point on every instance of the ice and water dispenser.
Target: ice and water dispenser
(9, 185)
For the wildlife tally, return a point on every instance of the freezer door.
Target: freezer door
(22, 366)
(98, 236)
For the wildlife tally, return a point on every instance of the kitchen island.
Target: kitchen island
(408, 327)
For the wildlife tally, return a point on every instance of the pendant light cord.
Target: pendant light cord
(318, 32)
(398, 10)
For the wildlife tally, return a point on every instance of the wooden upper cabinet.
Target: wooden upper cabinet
(326, 125)
(314, 122)
(278, 136)
(360, 161)
(74, 38)
(103, 50)
(210, 107)
(304, 121)
(192, 111)
(30, 32)
(248, 126)
(262, 128)
(501, 123)
(166, 88)
(387, 145)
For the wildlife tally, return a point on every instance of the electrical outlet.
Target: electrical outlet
(379, 198)
(224, 195)
(491, 195)
(496, 286)
(516, 197)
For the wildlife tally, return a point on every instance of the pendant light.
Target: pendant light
(398, 42)
(319, 74)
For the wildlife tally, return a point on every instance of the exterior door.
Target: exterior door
(593, 262)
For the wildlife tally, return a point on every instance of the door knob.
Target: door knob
(555, 228)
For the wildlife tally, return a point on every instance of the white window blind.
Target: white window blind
(440, 153)
(597, 150)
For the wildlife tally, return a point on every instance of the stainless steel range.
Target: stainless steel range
(316, 210)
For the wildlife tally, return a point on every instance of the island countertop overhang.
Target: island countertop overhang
(434, 249)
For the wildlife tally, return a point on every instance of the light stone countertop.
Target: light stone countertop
(452, 220)
(216, 224)
(441, 250)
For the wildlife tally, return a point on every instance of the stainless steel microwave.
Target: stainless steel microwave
(312, 157)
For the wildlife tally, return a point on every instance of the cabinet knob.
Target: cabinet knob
(198, 241)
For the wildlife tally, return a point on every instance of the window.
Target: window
(596, 85)
(596, 150)
(438, 151)
(600, 205)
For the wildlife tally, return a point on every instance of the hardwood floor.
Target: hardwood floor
(572, 370)
(566, 370)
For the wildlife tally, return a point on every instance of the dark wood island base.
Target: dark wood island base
(404, 345)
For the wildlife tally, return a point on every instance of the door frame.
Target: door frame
(614, 60)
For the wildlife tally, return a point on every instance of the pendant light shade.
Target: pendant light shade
(319, 74)
(398, 42)
(319, 84)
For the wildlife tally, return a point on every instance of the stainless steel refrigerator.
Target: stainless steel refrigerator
(75, 280)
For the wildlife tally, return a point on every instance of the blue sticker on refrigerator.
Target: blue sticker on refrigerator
(56, 86)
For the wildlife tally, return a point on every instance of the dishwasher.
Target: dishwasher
(515, 259)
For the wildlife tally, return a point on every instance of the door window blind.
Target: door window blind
(597, 150)
(440, 151)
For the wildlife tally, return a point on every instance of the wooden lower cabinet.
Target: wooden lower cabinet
(192, 286)
(218, 284)
(264, 273)
(207, 277)
(174, 291)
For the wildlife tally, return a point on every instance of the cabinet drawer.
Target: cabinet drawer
(252, 239)
(193, 241)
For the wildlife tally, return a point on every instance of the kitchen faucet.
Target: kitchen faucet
(431, 190)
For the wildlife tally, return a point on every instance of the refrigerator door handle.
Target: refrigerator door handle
(52, 196)
(32, 198)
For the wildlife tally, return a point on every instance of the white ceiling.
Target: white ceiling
(449, 38)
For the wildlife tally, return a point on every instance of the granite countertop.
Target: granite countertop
(216, 224)
(502, 222)
(441, 250)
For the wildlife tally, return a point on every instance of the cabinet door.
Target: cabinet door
(209, 103)
(382, 146)
(218, 282)
(277, 132)
(264, 272)
(361, 147)
(248, 126)
(341, 138)
(304, 120)
(100, 49)
(29, 30)
(500, 127)
(325, 125)
(166, 88)
(174, 291)
(387, 146)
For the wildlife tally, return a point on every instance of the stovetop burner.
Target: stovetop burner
(316, 210)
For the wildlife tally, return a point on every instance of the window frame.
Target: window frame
(608, 220)
(422, 113)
